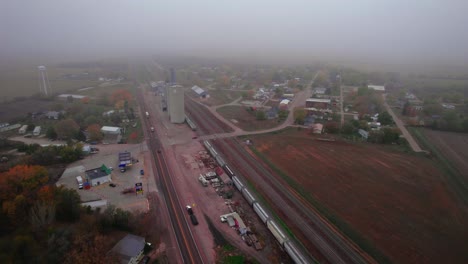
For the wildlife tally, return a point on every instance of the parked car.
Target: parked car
(123, 169)
(142, 172)
(112, 184)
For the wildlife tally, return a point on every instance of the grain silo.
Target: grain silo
(175, 104)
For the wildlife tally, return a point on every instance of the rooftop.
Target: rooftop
(318, 100)
(110, 129)
(98, 172)
(377, 87)
(128, 247)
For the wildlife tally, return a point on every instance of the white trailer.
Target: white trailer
(79, 180)
(37, 131)
(23, 129)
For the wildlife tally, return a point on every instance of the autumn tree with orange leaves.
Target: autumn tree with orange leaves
(119, 97)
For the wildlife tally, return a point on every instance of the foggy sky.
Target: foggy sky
(393, 30)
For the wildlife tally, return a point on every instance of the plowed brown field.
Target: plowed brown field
(396, 201)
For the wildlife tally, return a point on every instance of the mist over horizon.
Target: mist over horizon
(388, 33)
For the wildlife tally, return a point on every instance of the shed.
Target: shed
(111, 130)
(129, 249)
(99, 175)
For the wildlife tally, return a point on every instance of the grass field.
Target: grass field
(381, 198)
(245, 120)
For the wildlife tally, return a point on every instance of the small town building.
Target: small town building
(129, 249)
(284, 104)
(378, 88)
(111, 130)
(53, 115)
(199, 91)
(318, 103)
(320, 91)
(72, 96)
(99, 175)
(317, 128)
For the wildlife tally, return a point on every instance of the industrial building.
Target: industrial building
(175, 104)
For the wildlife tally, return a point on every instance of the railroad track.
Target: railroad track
(205, 120)
(334, 247)
(187, 247)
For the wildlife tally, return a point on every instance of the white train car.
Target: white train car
(261, 212)
(276, 230)
(220, 161)
(207, 144)
(248, 196)
(295, 253)
(238, 183)
(228, 170)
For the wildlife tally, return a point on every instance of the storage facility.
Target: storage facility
(175, 104)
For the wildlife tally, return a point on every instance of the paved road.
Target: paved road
(414, 145)
(299, 100)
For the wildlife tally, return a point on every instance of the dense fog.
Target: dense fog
(397, 31)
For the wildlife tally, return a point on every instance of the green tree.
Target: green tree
(348, 128)
(260, 115)
(50, 133)
(66, 129)
(385, 118)
(67, 205)
(299, 116)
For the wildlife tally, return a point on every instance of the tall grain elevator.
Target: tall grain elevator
(175, 104)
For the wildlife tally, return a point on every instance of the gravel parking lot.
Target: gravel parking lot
(108, 155)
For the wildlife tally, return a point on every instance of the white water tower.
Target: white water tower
(44, 85)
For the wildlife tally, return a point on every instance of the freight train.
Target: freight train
(280, 234)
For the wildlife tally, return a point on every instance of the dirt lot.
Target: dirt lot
(245, 120)
(217, 97)
(452, 145)
(396, 201)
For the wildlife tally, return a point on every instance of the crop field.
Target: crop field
(381, 198)
(452, 145)
(246, 120)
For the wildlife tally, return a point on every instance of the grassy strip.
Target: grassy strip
(363, 243)
(453, 177)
